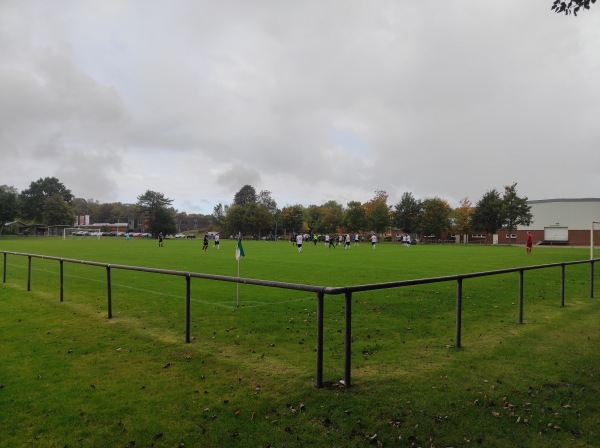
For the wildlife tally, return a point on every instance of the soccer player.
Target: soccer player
(217, 241)
(331, 241)
(205, 243)
(529, 243)
(160, 239)
(373, 240)
(299, 242)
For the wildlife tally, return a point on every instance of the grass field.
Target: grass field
(70, 376)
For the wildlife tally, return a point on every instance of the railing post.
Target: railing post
(319, 348)
(520, 296)
(109, 290)
(187, 308)
(348, 340)
(458, 310)
(4, 270)
(29, 273)
(61, 279)
(562, 285)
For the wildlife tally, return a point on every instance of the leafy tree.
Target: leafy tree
(152, 200)
(314, 218)
(435, 217)
(264, 198)
(463, 215)
(355, 217)
(380, 217)
(515, 210)
(573, 6)
(162, 222)
(292, 218)
(122, 212)
(333, 216)
(407, 213)
(259, 218)
(82, 207)
(105, 213)
(57, 211)
(32, 199)
(9, 205)
(155, 206)
(246, 195)
(276, 221)
(250, 213)
(378, 212)
(236, 220)
(220, 214)
(487, 215)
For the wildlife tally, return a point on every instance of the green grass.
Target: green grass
(72, 377)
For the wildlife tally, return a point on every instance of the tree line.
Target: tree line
(258, 215)
(48, 201)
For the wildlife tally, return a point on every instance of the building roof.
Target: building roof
(542, 201)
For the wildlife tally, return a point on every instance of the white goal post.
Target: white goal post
(592, 238)
(70, 232)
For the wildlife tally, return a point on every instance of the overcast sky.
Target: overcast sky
(312, 100)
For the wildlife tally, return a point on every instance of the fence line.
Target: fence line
(320, 292)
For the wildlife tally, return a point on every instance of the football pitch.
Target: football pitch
(247, 377)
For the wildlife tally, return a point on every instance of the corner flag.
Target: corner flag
(239, 250)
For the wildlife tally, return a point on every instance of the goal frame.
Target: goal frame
(592, 238)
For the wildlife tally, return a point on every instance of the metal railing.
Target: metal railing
(320, 291)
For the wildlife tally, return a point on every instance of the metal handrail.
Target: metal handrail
(319, 290)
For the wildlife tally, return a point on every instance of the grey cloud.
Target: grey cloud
(441, 98)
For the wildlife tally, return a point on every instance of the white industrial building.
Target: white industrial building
(561, 221)
(554, 222)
